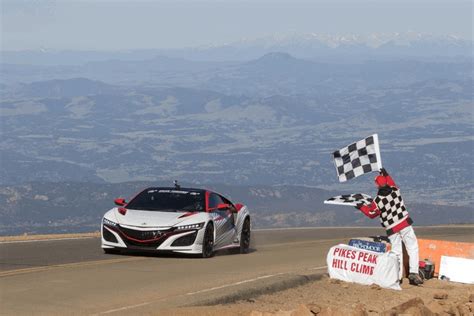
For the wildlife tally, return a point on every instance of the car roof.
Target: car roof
(186, 189)
(176, 189)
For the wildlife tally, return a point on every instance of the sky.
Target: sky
(127, 25)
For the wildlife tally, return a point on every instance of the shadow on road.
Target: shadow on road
(171, 255)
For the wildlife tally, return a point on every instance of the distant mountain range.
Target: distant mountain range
(274, 73)
(334, 47)
(374, 40)
(309, 46)
(78, 207)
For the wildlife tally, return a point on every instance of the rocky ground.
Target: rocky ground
(333, 297)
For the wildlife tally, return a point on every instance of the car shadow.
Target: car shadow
(231, 252)
(174, 255)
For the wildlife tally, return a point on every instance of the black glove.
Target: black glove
(383, 172)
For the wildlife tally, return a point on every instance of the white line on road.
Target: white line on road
(246, 281)
(200, 291)
(126, 307)
(236, 283)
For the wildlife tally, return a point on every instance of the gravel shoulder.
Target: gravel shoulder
(333, 297)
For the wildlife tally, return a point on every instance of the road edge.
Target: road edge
(273, 285)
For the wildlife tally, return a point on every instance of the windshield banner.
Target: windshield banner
(362, 266)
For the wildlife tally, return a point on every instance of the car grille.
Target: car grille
(143, 245)
(141, 234)
(108, 235)
(187, 240)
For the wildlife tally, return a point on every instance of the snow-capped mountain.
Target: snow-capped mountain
(316, 45)
(332, 47)
(373, 40)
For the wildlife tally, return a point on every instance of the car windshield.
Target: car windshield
(168, 200)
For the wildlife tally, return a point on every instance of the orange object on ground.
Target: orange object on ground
(434, 249)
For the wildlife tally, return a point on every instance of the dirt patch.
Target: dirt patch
(329, 297)
(48, 236)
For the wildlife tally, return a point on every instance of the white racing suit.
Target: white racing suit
(407, 235)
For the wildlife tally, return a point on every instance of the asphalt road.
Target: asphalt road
(74, 276)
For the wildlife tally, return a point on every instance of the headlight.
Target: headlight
(191, 226)
(109, 222)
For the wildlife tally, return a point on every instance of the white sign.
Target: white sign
(457, 269)
(356, 265)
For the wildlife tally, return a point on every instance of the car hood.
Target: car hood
(149, 218)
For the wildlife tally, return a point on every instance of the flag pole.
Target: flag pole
(377, 151)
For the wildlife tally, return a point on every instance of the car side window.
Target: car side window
(214, 200)
(231, 215)
(226, 201)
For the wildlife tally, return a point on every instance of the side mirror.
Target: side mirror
(238, 206)
(222, 206)
(120, 202)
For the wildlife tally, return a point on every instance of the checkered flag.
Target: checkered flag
(358, 158)
(350, 199)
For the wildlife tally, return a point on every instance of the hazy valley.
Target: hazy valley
(269, 118)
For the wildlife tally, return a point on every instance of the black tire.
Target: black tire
(245, 237)
(208, 242)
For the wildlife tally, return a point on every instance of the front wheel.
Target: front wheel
(245, 237)
(208, 242)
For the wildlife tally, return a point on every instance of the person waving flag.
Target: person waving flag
(388, 205)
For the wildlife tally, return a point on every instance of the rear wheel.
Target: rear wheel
(245, 237)
(208, 242)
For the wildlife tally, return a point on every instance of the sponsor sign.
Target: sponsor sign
(362, 266)
(170, 191)
(368, 245)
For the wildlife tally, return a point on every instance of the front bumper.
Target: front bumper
(149, 239)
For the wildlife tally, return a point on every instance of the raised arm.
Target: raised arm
(370, 211)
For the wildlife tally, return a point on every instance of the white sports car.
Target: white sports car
(175, 219)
